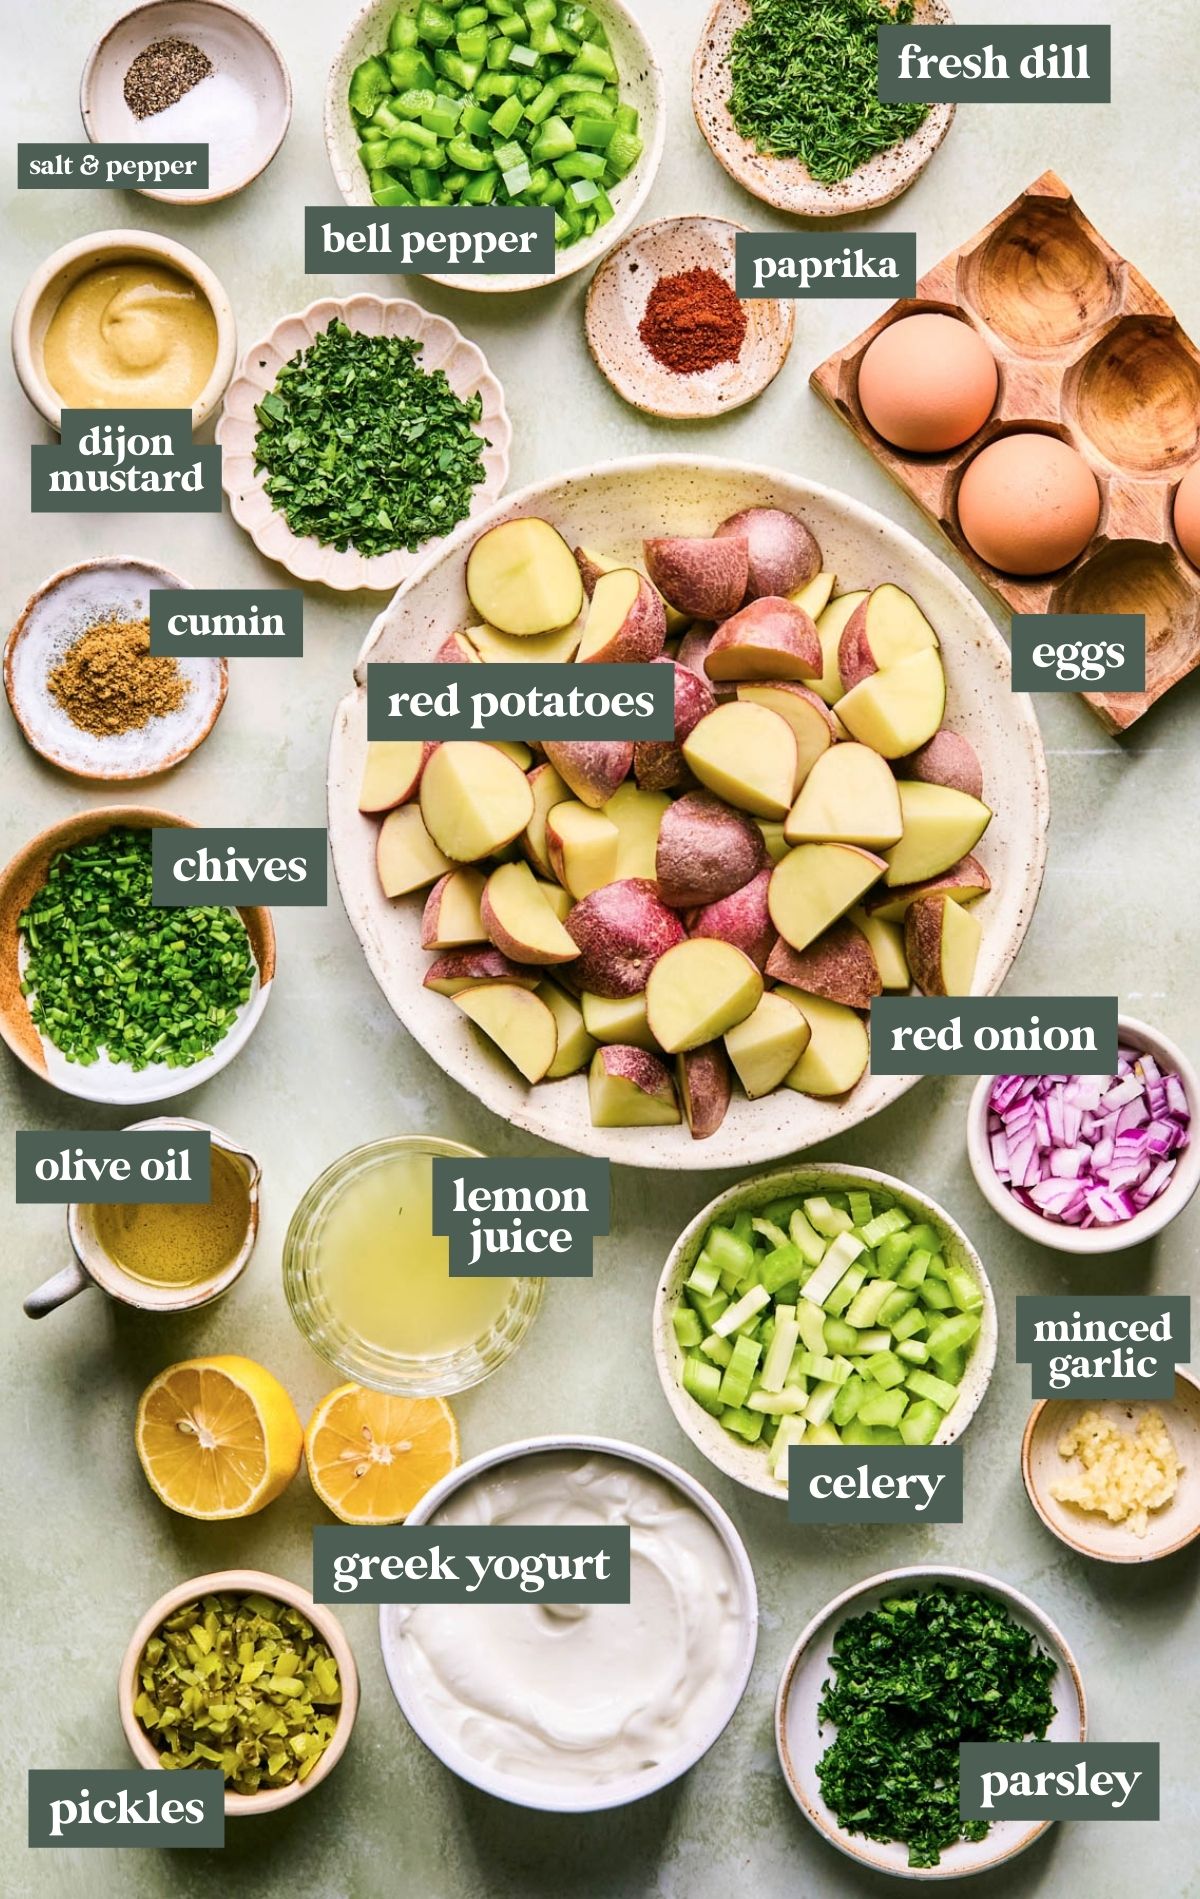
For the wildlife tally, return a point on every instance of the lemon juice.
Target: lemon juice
(384, 1276)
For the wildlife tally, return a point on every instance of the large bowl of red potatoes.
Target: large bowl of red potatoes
(666, 951)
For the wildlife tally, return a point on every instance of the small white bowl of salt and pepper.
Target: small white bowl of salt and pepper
(190, 72)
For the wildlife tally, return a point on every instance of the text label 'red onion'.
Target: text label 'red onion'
(993, 1035)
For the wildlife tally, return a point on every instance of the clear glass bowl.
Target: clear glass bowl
(356, 1357)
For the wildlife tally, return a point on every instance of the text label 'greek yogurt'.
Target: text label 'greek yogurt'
(239, 865)
(1058, 1780)
(993, 1035)
(1114, 1345)
(471, 1563)
(136, 461)
(1078, 652)
(125, 167)
(517, 701)
(825, 264)
(997, 65)
(147, 1167)
(501, 241)
(210, 622)
(892, 1483)
(118, 1806)
(532, 1219)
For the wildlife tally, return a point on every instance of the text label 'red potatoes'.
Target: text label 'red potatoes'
(608, 702)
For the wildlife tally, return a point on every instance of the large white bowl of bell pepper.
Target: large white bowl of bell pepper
(499, 103)
(821, 1305)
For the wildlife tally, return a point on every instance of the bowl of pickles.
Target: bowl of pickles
(513, 103)
(821, 1305)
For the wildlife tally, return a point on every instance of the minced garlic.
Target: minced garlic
(1125, 1475)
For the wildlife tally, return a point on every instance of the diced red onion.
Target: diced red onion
(1089, 1150)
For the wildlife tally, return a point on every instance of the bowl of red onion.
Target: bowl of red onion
(1090, 1163)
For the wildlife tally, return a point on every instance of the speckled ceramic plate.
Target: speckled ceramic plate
(785, 182)
(444, 348)
(105, 1080)
(641, 84)
(617, 302)
(801, 1741)
(1086, 1531)
(52, 620)
(611, 508)
(241, 109)
(749, 1464)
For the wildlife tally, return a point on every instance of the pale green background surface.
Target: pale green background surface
(87, 1546)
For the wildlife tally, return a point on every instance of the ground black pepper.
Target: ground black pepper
(160, 75)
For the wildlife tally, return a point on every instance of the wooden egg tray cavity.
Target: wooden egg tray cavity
(1087, 351)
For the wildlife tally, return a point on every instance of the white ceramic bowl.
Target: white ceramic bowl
(49, 285)
(1089, 1533)
(241, 52)
(115, 586)
(611, 508)
(244, 1582)
(466, 370)
(104, 1080)
(641, 84)
(617, 1793)
(1093, 1240)
(748, 1464)
(801, 1742)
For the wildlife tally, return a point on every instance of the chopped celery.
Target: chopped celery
(688, 1329)
(710, 1308)
(964, 1287)
(874, 1341)
(776, 1404)
(719, 1350)
(897, 1303)
(883, 1407)
(820, 1402)
(827, 1218)
(920, 1422)
(844, 1291)
(738, 1374)
(810, 1321)
(779, 1354)
(908, 1324)
(728, 1249)
(705, 1274)
(868, 1302)
(742, 1310)
(913, 1271)
(811, 1245)
(702, 1382)
(887, 1370)
(949, 1334)
(912, 1351)
(925, 1385)
(891, 1220)
(936, 1293)
(845, 1405)
(747, 1424)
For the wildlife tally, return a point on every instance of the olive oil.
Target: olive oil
(179, 1243)
(385, 1277)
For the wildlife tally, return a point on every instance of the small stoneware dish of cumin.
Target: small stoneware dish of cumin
(118, 1083)
(617, 305)
(91, 594)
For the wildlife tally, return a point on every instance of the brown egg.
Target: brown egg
(1187, 514)
(1028, 504)
(927, 383)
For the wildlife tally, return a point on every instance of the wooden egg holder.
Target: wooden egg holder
(1089, 352)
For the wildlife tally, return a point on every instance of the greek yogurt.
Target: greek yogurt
(582, 1704)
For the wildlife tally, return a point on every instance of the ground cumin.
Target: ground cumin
(692, 322)
(109, 681)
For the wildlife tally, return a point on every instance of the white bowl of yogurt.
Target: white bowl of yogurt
(577, 1708)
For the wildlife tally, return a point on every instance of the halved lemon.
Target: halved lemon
(218, 1437)
(371, 1457)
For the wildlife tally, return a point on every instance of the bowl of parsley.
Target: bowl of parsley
(882, 1689)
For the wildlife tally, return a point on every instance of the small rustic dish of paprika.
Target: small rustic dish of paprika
(668, 331)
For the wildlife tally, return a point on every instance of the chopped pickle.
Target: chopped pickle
(242, 1683)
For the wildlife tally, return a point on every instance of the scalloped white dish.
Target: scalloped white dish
(444, 347)
(612, 507)
(641, 84)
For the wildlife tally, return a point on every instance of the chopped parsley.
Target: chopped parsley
(913, 1679)
(363, 448)
(805, 81)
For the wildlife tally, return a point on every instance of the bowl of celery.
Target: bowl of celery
(526, 103)
(821, 1305)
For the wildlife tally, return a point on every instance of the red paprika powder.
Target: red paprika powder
(692, 322)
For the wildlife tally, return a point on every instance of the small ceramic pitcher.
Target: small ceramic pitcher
(92, 1266)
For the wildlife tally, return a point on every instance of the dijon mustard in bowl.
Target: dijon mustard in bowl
(124, 320)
